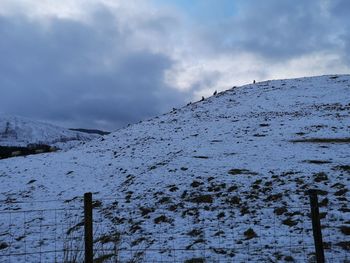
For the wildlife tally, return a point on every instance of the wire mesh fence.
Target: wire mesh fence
(38, 231)
(200, 230)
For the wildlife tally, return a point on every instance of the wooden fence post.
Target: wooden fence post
(316, 226)
(88, 228)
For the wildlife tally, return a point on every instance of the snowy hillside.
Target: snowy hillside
(222, 180)
(18, 131)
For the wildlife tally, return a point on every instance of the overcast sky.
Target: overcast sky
(106, 63)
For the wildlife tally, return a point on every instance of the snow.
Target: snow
(19, 131)
(237, 144)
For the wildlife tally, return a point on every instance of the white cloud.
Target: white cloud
(219, 73)
(63, 9)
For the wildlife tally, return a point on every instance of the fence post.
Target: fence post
(88, 228)
(316, 226)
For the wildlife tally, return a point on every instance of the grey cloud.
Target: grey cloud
(280, 30)
(80, 75)
(99, 74)
(340, 8)
(340, 11)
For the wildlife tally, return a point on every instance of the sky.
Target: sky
(107, 63)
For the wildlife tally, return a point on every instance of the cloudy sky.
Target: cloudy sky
(106, 63)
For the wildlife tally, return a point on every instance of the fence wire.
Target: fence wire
(172, 231)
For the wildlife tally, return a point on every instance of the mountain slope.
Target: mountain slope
(18, 131)
(205, 176)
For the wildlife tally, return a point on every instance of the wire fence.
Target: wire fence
(193, 231)
(38, 231)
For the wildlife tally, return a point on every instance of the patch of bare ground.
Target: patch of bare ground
(323, 140)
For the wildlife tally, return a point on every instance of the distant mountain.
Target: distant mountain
(91, 131)
(20, 132)
(219, 180)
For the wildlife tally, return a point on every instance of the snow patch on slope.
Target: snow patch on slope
(19, 131)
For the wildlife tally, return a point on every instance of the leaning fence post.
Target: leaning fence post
(88, 228)
(316, 226)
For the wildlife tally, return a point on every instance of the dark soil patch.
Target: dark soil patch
(345, 230)
(3, 245)
(289, 222)
(202, 199)
(250, 233)
(195, 260)
(345, 168)
(201, 157)
(280, 210)
(195, 232)
(274, 197)
(319, 177)
(322, 140)
(344, 245)
(241, 171)
(162, 219)
(341, 192)
(316, 161)
(196, 184)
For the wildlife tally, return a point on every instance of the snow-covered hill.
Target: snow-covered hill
(222, 179)
(19, 131)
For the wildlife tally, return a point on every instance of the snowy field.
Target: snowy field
(222, 180)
